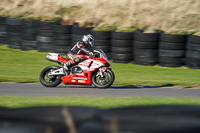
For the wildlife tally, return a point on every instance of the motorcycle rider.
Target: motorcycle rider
(78, 49)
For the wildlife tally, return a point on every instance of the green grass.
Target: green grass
(155, 75)
(21, 66)
(16, 102)
(25, 66)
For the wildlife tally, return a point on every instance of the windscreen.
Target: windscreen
(104, 55)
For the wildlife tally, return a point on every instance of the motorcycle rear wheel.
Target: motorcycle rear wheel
(104, 82)
(47, 80)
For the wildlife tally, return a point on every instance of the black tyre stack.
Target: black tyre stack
(102, 41)
(44, 119)
(78, 33)
(122, 47)
(146, 47)
(62, 38)
(80, 119)
(146, 119)
(28, 35)
(3, 31)
(45, 36)
(14, 32)
(193, 52)
(172, 50)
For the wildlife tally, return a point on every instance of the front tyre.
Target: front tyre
(49, 80)
(105, 81)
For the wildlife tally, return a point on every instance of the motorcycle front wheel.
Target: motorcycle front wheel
(48, 80)
(105, 81)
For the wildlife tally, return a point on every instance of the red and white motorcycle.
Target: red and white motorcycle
(92, 71)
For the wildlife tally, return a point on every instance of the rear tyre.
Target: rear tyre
(106, 81)
(47, 80)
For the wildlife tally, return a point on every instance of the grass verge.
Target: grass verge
(143, 14)
(16, 102)
(25, 66)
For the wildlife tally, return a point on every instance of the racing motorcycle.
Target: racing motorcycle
(92, 71)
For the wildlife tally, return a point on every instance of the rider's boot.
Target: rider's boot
(66, 65)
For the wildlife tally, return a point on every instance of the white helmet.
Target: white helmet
(88, 39)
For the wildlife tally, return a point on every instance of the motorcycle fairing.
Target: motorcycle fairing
(88, 66)
(77, 79)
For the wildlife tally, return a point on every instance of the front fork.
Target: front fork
(102, 70)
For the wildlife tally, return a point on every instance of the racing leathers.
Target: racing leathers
(73, 55)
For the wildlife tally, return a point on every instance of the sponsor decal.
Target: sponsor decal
(85, 63)
(81, 81)
(79, 74)
(91, 69)
(80, 78)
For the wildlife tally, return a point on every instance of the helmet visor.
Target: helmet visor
(91, 41)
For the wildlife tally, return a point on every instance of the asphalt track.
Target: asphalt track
(36, 90)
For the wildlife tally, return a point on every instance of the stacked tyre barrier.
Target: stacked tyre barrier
(193, 52)
(45, 36)
(172, 50)
(102, 41)
(14, 32)
(122, 47)
(62, 38)
(3, 31)
(146, 47)
(28, 35)
(77, 119)
(78, 33)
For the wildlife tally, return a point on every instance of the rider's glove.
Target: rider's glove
(90, 54)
